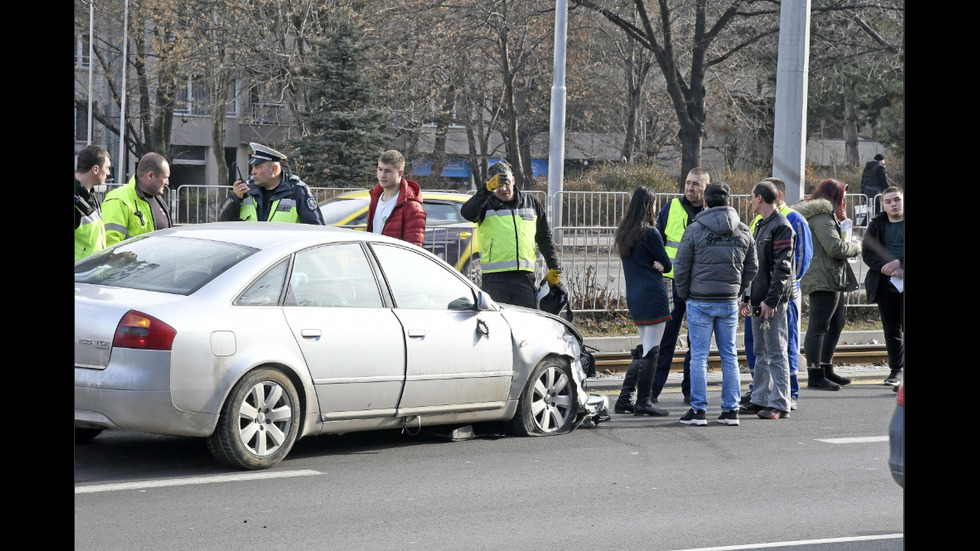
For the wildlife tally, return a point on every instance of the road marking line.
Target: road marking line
(854, 440)
(796, 543)
(142, 485)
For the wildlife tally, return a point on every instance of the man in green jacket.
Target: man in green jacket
(138, 207)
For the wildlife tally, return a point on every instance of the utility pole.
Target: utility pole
(792, 68)
(556, 143)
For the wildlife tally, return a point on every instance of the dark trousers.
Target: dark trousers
(891, 307)
(513, 287)
(667, 345)
(826, 321)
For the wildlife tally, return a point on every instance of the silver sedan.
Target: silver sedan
(253, 335)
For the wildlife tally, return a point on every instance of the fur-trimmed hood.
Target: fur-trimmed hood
(809, 209)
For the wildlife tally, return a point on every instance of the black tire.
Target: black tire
(86, 435)
(549, 402)
(259, 422)
(473, 272)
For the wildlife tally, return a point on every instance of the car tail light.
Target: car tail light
(901, 394)
(138, 330)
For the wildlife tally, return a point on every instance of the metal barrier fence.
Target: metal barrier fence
(592, 271)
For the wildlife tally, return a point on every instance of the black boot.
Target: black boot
(625, 402)
(816, 379)
(644, 386)
(828, 372)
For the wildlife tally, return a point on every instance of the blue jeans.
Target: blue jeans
(793, 342)
(703, 318)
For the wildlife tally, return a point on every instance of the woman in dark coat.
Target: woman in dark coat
(641, 249)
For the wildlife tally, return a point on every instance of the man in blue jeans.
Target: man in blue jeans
(715, 263)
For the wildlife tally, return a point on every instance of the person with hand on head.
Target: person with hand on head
(396, 202)
(271, 194)
(138, 207)
(883, 250)
(512, 226)
(641, 249)
(766, 303)
(825, 282)
(715, 263)
(91, 169)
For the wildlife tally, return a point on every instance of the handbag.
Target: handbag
(852, 282)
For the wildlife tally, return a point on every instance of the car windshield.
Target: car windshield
(165, 264)
(336, 210)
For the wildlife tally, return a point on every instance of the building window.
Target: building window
(81, 121)
(81, 51)
(195, 99)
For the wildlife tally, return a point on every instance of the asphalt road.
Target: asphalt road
(818, 481)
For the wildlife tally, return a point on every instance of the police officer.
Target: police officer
(137, 207)
(672, 221)
(509, 224)
(91, 170)
(270, 195)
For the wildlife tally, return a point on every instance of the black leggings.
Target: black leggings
(824, 326)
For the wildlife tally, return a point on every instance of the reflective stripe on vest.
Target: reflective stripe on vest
(89, 235)
(509, 237)
(676, 224)
(784, 210)
(283, 210)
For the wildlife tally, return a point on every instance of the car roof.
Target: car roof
(426, 194)
(264, 235)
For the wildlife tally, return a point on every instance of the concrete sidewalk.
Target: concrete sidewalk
(865, 374)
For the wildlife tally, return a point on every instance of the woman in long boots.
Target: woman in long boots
(641, 248)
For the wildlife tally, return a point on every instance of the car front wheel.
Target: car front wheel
(259, 422)
(549, 402)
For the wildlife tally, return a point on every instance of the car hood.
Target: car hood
(98, 309)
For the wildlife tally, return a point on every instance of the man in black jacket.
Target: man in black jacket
(874, 180)
(766, 303)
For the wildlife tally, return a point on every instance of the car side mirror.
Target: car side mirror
(484, 302)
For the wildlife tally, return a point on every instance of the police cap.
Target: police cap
(261, 154)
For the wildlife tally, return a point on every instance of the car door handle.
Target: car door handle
(416, 333)
(311, 333)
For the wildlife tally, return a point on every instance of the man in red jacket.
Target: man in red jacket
(396, 203)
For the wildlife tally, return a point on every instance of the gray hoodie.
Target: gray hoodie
(716, 259)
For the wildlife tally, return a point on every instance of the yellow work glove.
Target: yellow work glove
(552, 277)
(494, 183)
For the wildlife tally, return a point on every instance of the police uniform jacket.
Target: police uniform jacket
(89, 227)
(290, 201)
(672, 220)
(509, 231)
(127, 213)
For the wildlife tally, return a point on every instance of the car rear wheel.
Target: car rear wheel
(473, 272)
(259, 422)
(549, 402)
(86, 435)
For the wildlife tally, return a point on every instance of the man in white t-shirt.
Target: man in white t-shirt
(396, 202)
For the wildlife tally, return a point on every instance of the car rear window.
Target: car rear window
(166, 264)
